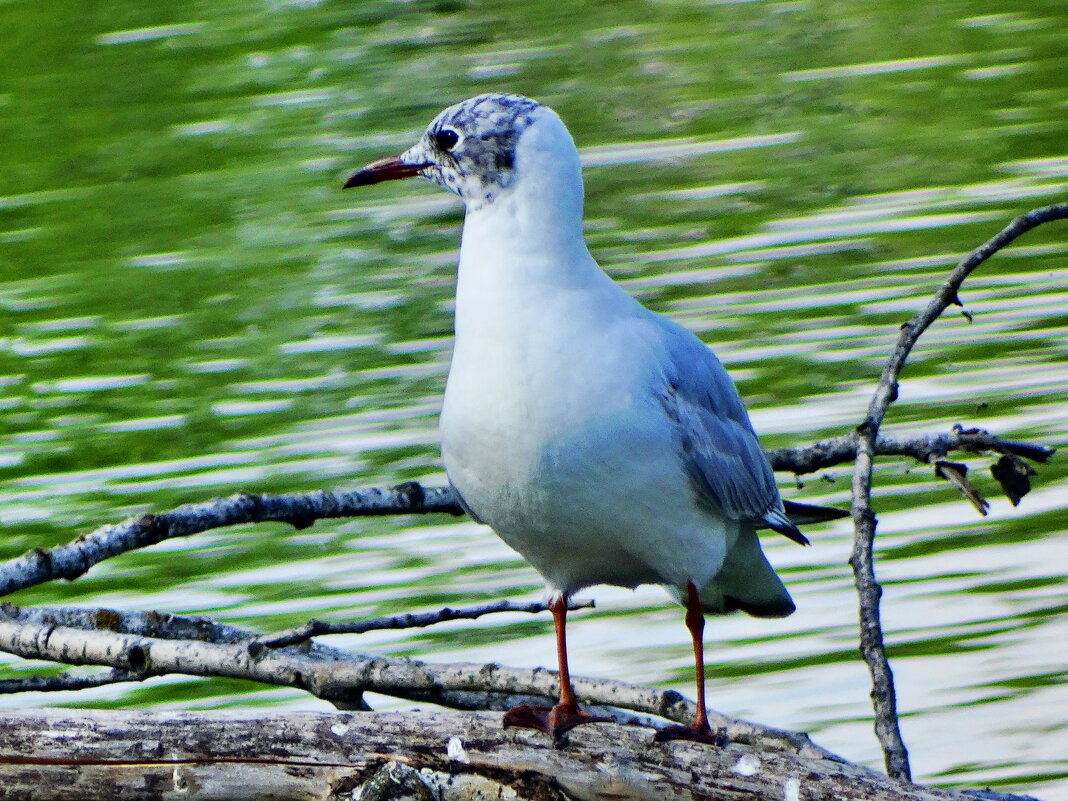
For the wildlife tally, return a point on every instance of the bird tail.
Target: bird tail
(803, 514)
(747, 582)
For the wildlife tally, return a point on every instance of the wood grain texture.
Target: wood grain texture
(61, 755)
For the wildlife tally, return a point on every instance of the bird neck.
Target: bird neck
(522, 269)
(523, 225)
(530, 234)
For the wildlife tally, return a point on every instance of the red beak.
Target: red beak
(390, 169)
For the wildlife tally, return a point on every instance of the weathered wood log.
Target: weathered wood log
(68, 755)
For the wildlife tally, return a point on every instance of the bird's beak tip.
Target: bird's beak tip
(356, 179)
(389, 169)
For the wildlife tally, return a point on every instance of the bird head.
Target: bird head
(469, 149)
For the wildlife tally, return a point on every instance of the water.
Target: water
(190, 306)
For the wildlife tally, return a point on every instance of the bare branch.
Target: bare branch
(862, 559)
(298, 509)
(153, 645)
(924, 448)
(302, 509)
(66, 681)
(411, 620)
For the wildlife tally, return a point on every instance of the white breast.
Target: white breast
(553, 436)
(551, 428)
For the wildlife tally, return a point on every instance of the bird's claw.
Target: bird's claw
(697, 734)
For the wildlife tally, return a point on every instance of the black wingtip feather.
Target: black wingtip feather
(800, 514)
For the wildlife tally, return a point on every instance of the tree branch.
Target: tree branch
(924, 448)
(862, 559)
(137, 646)
(769, 758)
(151, 644)
(66, 682)
(412, 620)
(300, 510)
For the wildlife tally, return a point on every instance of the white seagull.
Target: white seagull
(602, 441)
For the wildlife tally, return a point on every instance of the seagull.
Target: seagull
(602, 441)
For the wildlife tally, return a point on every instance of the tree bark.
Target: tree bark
(68, 755)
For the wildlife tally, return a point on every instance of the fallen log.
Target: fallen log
(429, 755)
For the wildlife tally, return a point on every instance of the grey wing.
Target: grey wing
(720, 450)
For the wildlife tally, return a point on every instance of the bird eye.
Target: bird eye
(446, 139)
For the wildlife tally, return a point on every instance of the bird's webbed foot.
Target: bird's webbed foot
(554, 721)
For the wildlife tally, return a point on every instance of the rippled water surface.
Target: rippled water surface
(190, 306)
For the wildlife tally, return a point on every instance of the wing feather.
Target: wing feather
(721, 452)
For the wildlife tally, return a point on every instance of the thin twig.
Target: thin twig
(862, 559)
(412, 620)
(67, 681)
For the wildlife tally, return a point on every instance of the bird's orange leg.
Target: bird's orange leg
(699, 731)
(566, 715)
